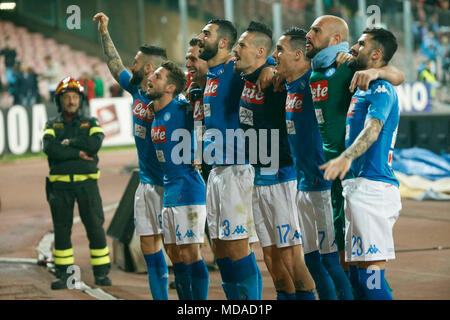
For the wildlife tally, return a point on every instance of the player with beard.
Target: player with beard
(331, 87)
(230, 183)
(372, 198)
(184, 203)
(148, 197)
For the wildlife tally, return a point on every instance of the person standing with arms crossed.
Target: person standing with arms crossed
(149, 194)
(372, 197)
(71, 142)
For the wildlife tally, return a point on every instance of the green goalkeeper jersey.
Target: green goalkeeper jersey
(331, 98)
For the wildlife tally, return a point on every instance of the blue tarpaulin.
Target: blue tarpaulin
(421, 162)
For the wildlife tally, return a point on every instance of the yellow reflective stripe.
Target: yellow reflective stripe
(82, 177)
(94, 130)
(100, 261)
(64, 261)
(59, 177)
(99, 252)
(50, 132)
(63, 253)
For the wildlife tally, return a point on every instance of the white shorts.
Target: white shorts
(371, 210)
(316, 221)
(229, 202)
(148, 201)
(275, 212)
(184, 224)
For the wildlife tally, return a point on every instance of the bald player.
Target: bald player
(331, 87)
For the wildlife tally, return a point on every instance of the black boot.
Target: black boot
(61, 278)
(101, 275)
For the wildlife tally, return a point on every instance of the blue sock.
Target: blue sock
(199, 280)
(246, 275)
(341, 282)
(374, 284)
(260, 285)
(182, 281)
(353, 276)
(282, 295)
(158, 275)
(304, 295)
(324, 285)
(228, 282)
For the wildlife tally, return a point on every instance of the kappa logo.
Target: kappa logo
(239, 230)
(143, 112)
(211, 87)
(297, 235)
(159, 134)
(351, 108)
(251, 94)
(319, 90)
(381, 89)
(189, 234)
(294, 102)
(373, 250)
(198, 110)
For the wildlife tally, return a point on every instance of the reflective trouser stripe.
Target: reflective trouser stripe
(100, 261)
(100, 256)
(63, 257)
(76, 177)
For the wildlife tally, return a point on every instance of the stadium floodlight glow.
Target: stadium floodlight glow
(7, 5)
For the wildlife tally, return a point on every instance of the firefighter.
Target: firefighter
(71, 142)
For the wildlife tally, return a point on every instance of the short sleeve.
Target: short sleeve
(124, 81)
(381, 101)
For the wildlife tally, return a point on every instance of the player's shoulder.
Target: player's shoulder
(381, 86)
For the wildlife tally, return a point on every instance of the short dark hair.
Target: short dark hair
(385, 39)
(264, 34)
(175, 76)
(153, 51)
(226, 30)
(297, 37)
(194, 42)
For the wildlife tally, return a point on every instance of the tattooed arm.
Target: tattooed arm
(340, 165)
(113, 60)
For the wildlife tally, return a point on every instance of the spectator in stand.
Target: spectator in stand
(444, 56)
(88, 84)
(116, 90)
(430, 48)
(10, 59)
(98, 82)
(427, 76)
(26, 86)
(52, 75)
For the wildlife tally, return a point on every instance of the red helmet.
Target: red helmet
(68, 84)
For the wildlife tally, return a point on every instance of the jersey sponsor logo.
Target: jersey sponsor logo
(143, 112)
(159, 134)
(294, 102)
(319, 90)
(160, 156)
(207, 110)
(351, 108)
(251, 94)
(290, 127)
(381, 89)
(198, 110)
(211, 87)
(319, 116)
(140, 131)
(246, 116)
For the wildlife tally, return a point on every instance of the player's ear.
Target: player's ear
(376, 54)
(170, 89)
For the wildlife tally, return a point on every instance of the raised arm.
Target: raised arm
(113, 60)
(340, 165)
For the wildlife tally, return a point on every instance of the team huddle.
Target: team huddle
(290, 146)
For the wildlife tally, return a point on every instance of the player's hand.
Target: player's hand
(265, 78)
(230, 58)
(102, 22)
(197, 165)
(363, 78)
(278, 83)
(84, 156)
(342, 57)
(65, 142)
(336, 167)
(193, 85)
